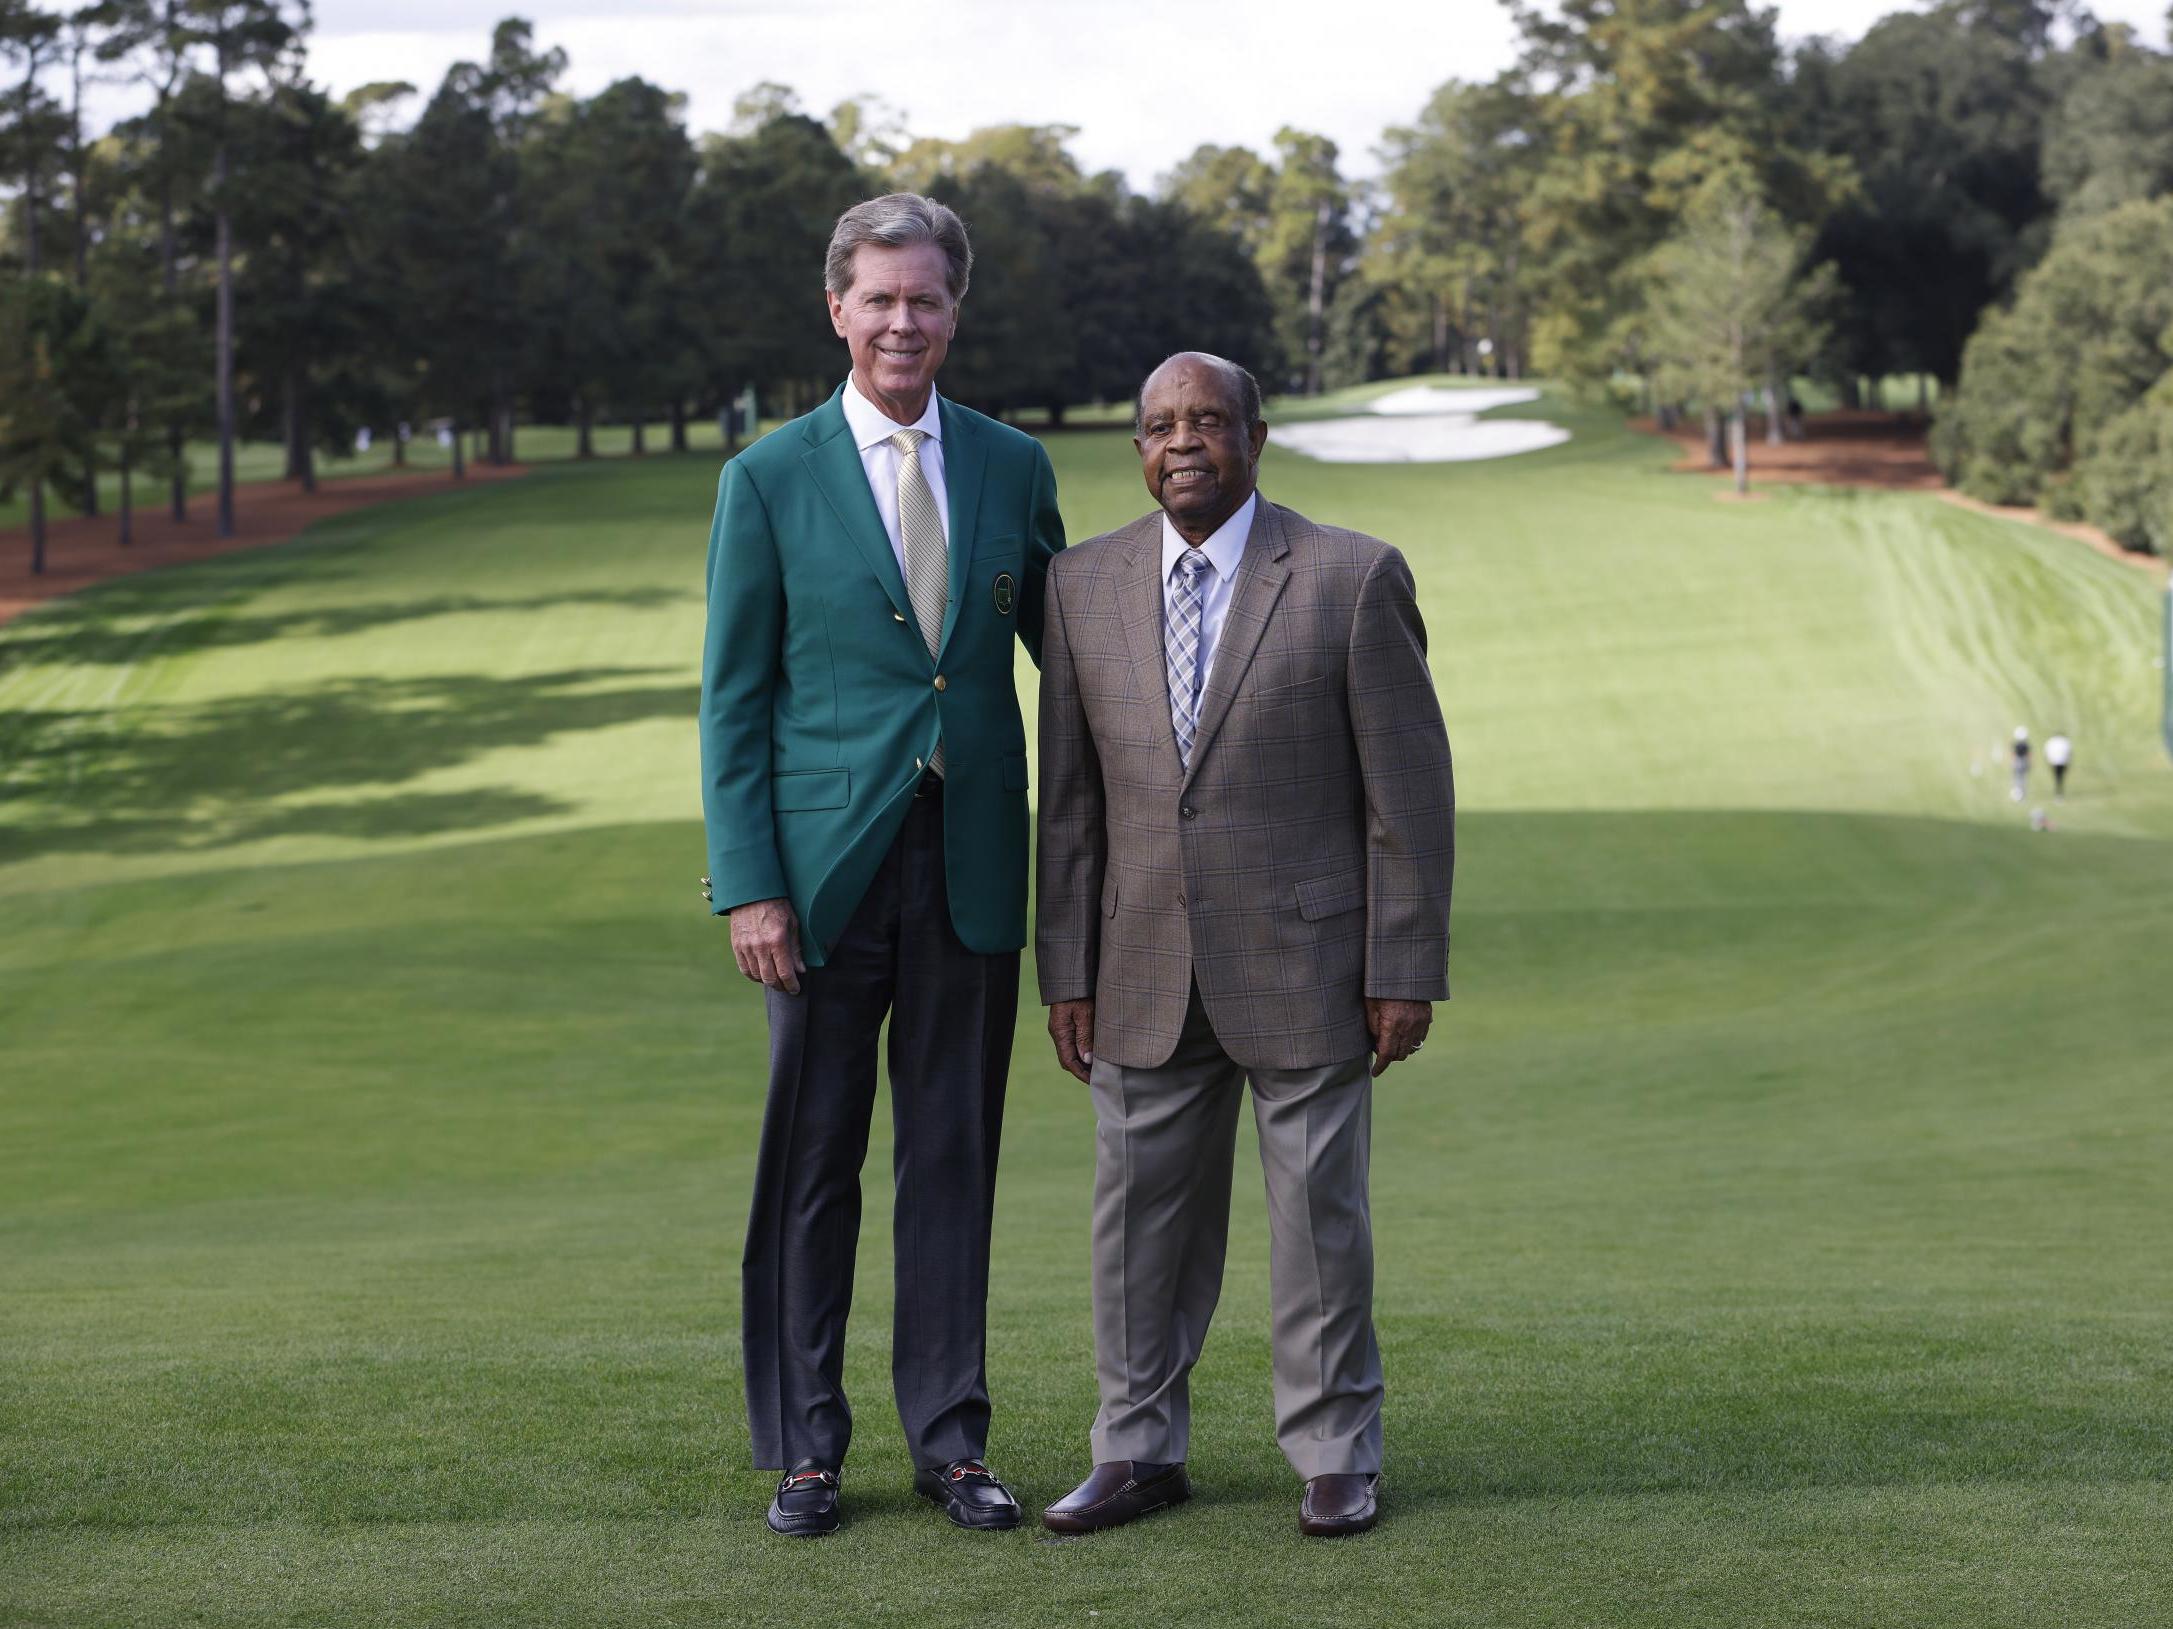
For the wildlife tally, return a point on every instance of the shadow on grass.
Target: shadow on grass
(119, 625)
(197, 778)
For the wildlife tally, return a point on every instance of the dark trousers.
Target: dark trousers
(951, 1014)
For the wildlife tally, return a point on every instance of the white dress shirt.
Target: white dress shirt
(871, 430)
(1223, 550)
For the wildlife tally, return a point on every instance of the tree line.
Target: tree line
(249, 258)
(1658, 197)
(1663, 194)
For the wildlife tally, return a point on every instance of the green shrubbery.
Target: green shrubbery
(2066, 398)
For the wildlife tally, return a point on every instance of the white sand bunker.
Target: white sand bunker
(1423, 424)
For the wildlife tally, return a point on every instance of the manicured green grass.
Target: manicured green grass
(1777, 1232)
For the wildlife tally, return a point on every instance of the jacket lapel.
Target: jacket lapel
(1261, 575)
(834, 464)
(1139, 607)
(965, 461)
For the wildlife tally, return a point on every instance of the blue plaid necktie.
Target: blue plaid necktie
(1181, 642)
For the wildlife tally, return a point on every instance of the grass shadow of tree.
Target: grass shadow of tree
(121, 625)
(196, 778)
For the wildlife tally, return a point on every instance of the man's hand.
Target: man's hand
(766, 943)
(1399, 1029)
(1071, 1027)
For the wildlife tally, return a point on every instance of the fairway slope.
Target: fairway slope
(1778, 1232)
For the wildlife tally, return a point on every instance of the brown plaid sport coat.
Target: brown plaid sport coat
(1304, 861)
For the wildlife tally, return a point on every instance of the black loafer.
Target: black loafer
(806, 1505)
(970, 1495)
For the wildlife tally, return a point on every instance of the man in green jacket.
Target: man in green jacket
(864, 786)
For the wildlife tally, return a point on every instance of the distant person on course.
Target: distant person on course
(2059, 753)
(2021, 756)
(1246, 839)
(864, 783)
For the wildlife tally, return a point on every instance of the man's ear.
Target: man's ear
(837, 312)
(1259, 435)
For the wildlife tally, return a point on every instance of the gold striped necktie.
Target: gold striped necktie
(927, 555)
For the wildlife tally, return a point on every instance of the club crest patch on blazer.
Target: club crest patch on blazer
(1007, 594)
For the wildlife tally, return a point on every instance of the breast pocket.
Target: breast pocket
(1306, 689)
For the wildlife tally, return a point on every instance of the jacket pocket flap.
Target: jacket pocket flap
(1109, 897)
(1303, 689)
(1320, 897)
(811, 789)
(1014, 772)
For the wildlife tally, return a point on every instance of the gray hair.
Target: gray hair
(1240, 380)
(898, 220)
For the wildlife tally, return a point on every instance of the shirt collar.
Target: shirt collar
(871, 426)
(1224, 549)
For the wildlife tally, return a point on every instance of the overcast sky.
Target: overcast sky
(1144, 84)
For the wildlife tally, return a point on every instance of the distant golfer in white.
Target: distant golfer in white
(2021, 762)
(2059, 752)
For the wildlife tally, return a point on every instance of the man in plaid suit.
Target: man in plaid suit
(1246, 838)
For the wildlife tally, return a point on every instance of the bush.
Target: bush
(2045, 383)
(2126, 479)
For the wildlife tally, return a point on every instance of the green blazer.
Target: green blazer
(820, 704)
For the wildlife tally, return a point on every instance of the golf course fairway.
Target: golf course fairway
(1779, 1229)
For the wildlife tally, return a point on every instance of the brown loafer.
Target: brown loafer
(1115, 1493)
(1341, 1502)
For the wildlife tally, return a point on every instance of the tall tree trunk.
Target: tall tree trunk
(289, 426)
(76, 156)
(305, 445)
(1775, 432)
(168, 257)
(177, 451)
(30, 210)
(399, 446)
(512, 424)
(1739, 446)
(1923, 396)
(223, 233)
(460, 470)
(82, 225)
(1852, 396)
(641, 445)
(584, 443)
(679, 425)
(30, 264)
(1441, 335)
(1316, 298)
(1716, 439)
(128, 494)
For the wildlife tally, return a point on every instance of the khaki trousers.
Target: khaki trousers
(1165, 1143)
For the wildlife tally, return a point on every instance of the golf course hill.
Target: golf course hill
(1776, 1228)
